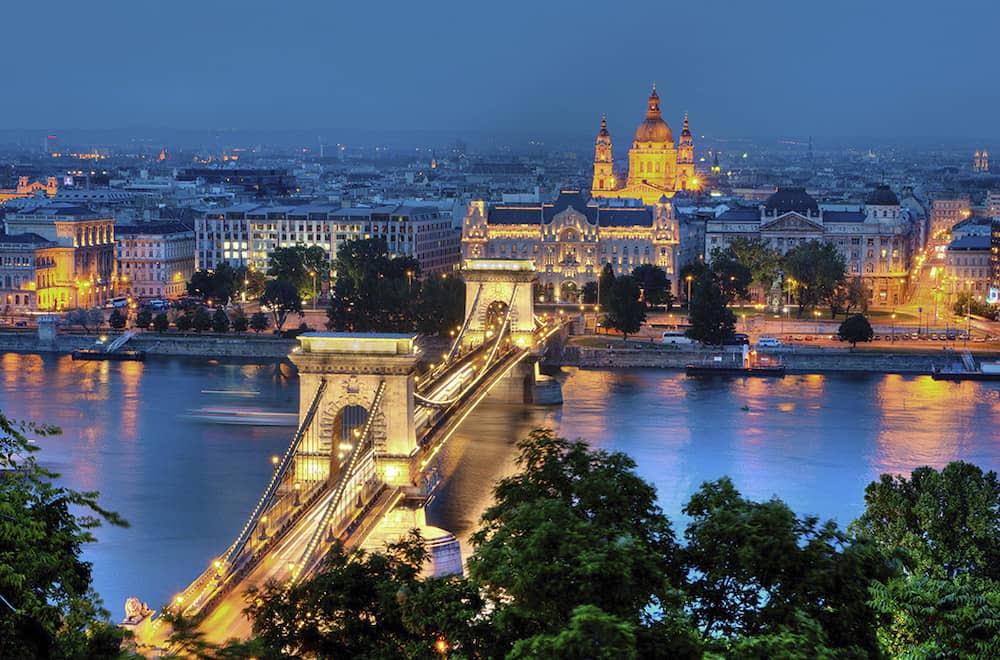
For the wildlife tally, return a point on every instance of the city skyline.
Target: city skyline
(856, 70)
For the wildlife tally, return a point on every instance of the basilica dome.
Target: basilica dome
(653, 128)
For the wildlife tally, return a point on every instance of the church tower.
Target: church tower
(685, 156)
(652, 159)
(604, 175)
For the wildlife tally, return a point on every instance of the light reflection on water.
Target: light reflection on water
(815, 441)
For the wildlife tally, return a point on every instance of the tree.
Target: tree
(921, 516)
(220, 284)
(201, 320)
(576, 527)
(854, 329)
(669, 299)
(761, 260)
(220, 321)
(588, 293)
(143, 319)
(441, 304)
(756, 568)
(43, 529)
(944, 527)
(374, 292)
(606, 287)
(370, 605)
(814, 269)
(857, 296)
(117, 320)
(732, 276)
(966, 303)
(712, 322)
(253, 283)
(626, 312)
(183, 322)
(294, 265)
(282, 299)
(161, 322)
(85, 318)
(259, 322)
(591, 633)
(653, 283)
(240, 322)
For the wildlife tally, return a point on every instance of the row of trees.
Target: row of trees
(378, 292)
(574, 559)
(814, 274)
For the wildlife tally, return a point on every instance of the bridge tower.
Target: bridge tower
(492, 287)
(357, 369)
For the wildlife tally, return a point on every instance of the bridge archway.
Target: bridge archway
(508, 282)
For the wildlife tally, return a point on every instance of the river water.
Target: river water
(186, 486)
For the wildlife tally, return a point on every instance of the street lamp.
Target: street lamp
(816, 313)
(689, 279)
(893, 326)
(312, 274)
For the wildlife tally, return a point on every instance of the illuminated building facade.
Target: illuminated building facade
(968, 266)
(154, 260)
(571, 239)
(27, 188)
(656, 166)
(877, 240)
(23, 265)
(948, 211)
(981, 161)
(77, 266)
(247, 234)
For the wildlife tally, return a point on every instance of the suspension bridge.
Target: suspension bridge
(362, 462)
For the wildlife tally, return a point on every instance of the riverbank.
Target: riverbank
(248, 346)
(802, 360)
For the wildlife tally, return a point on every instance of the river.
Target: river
(185, 486)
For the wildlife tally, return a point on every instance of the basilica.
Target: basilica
(656, 166)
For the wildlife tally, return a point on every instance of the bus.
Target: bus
(119, 302)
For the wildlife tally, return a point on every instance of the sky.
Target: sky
(539, 69)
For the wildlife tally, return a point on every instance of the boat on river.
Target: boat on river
(968, 370)
(116, 356)
(243, 416)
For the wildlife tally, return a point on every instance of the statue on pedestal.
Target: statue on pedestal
(776, 294)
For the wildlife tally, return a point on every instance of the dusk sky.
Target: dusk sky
(891, 68)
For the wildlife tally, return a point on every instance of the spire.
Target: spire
(653, 111)
(603, 136)
(685, 130)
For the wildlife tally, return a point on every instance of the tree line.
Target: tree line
(574, 559)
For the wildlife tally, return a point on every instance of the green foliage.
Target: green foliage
(240, 321)
(161, 322)
(259, 322)
(588, 293)
(117, 320)
(732, 276)
(653, 282)
(847, 296)
(760, 260)
(219, 285)
(591, 633)
(253, 284)
(363, 605)
(294, 265)
(946, 523)
(625, 311)
(143, 319)
(711, 319)
(854, 329)
(606, 286)
(43, 529)
(967, 303)
(573, 527)
(281, 298)
(938, 618)
(441, 304)
(183, 322)
(220, 321)
(201, 320)
(756, 568)
(817, 269)
(85, 318)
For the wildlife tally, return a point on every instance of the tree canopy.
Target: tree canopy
(711, 319)
(854, 329)
(814, 271)
(281, 298)
(653, 283)
(625, 312)
(51, 609)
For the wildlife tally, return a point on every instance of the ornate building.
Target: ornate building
(572, 238)
(877, 239)
(656, 167)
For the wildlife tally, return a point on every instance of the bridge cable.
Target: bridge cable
(345, 477)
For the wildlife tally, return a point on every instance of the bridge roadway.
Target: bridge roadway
(223, 618)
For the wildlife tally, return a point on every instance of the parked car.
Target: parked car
(737, 339)
(768, 342)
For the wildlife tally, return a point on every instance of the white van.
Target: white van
(768, 342)
(117, 303)
(676, 337)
